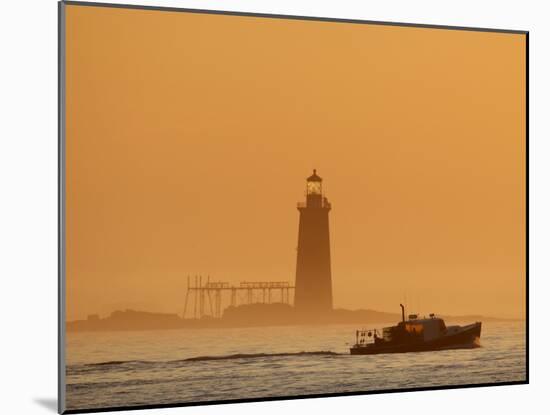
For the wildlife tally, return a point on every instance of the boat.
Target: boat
(416, 335)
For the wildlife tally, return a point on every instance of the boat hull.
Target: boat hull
(466, 337)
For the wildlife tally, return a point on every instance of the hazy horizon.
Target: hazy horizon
(421, 314)
(189, 139)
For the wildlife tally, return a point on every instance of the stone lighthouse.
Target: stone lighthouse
(313, 292)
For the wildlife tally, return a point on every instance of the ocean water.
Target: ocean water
(113, 369)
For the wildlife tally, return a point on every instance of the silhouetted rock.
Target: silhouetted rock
(128, 320)
(259, 314)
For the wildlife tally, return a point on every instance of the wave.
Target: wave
(256, 355)
(118, 363)
(115, 362)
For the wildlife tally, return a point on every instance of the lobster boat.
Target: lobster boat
(416, 335)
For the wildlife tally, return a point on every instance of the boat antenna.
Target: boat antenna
(402, 312)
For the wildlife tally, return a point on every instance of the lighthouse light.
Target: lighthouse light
(314, 188)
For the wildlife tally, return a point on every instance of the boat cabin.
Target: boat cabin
(424, 329)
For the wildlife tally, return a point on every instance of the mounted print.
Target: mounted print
(258, 207)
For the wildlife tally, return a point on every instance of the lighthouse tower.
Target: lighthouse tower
(313, 292)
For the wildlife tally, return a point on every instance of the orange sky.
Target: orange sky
(189, 137)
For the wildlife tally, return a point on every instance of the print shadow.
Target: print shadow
(48, 403)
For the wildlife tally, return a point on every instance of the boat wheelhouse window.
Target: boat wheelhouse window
(442, 326)
(414, 328)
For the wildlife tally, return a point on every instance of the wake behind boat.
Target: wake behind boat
(416, 335)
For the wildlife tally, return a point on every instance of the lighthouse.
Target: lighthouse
(313, 292)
